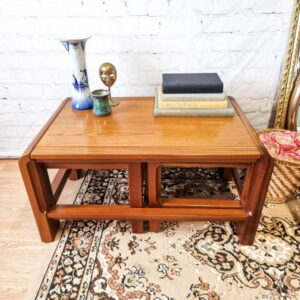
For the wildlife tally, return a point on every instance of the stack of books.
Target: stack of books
(192, 94)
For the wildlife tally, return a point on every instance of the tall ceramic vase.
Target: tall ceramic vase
(81, 92)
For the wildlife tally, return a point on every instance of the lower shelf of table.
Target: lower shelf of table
(125, 212)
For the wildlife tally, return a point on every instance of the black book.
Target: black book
(181, 83)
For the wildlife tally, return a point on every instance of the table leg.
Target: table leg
(154, 192)
(226, 173)
(135, 181)
(40, 194)
(253, 197)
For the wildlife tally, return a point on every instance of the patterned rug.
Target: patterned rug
(103, 260)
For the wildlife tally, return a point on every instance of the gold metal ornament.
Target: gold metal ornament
(108, 75)
(290, 70)
(293, 109)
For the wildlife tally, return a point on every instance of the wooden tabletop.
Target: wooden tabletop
(131, 132)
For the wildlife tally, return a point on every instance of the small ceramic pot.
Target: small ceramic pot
(101, 106)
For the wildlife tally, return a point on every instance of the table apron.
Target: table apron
(124, 164)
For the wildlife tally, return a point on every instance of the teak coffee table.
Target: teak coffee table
(131, 138)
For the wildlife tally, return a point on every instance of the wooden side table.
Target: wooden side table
(252, 192)
(131, 138)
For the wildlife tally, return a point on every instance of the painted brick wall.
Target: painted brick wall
(243, 40)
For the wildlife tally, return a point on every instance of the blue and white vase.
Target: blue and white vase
(81, 92)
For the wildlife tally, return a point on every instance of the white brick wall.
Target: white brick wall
(243, 40)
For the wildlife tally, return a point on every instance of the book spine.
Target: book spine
(194, 104)
(186, 112)
(192, 113)
(194, 97)
(192, 89)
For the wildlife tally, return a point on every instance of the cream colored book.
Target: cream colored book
(189, 104)
(194, 97)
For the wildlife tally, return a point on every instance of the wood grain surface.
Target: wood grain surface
(22, 255)
(131, 131)
(125, 212)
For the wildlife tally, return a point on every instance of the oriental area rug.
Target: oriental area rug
(104, 260)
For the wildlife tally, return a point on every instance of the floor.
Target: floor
(21, 251)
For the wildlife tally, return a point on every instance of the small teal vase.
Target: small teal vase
(101, 106)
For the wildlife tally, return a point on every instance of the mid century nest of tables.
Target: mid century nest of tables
(133, 139)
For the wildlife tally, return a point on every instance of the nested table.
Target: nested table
(131, 138)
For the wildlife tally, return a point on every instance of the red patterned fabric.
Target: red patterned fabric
(282, 144)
